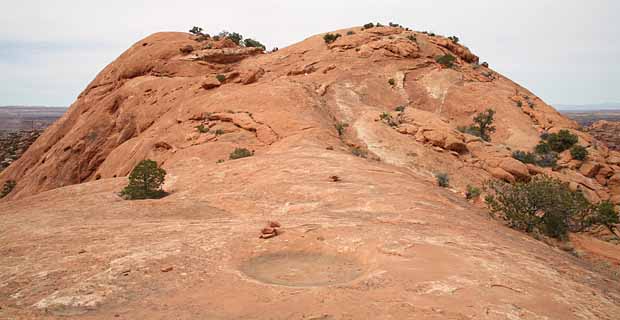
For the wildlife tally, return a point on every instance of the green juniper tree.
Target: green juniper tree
(145, 182)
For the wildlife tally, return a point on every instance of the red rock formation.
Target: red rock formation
(373, 111)
(153, 93)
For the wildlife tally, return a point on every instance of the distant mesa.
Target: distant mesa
(28, 117)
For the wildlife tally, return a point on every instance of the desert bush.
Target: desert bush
(341, 127)
(251, 43)
(485, 64)
(378, 25)
(145, 182)
(469, 130)
(233, 36)
(446, 60)
(394, 25)
(400, 108)
(546, 205)
(220, 77)
(578, 152)
(8, 186)
(519, 104)
(561, 141)
(239, 153)
(388, 119)
(605, 214)
(454, 39)
(443, 180)
(548, 160)
(392, 82)
(202, 129)
(196, 31)
(219, 132)
(472, 192)
(331, 37)
(412, 38)
(542, 148)
(483, 125)
(350, 33)
(545, 159)
(525, 157)
(369, 25)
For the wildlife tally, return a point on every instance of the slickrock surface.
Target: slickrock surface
(381, 241)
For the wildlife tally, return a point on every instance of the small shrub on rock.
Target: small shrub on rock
(443, 180)
(454, 39)
(145, 182)
(446, 60)
(388, 119)
(331, 37)
(196, 31)
(483, 125)
(472, 192)
(202, 129)
(546, 159)
(220, 77)
(412, 38)
(233, 36)
(525, 157)
(251, 43)
(400, 109)
(561, 141)
(605, 214)
(341, 127)
(392, 82)
(579, 152)
(350, 33)
(239, 153)
(369, 25)
(8, 186)
(545, 205)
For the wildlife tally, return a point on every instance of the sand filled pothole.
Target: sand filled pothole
(302, 269)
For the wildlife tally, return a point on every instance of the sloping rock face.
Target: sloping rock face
(391, 235)
(158, 91)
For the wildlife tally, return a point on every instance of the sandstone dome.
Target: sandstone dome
(402, 247)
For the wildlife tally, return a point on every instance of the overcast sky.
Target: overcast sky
(565, 51)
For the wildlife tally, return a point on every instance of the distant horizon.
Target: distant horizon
(604, 106)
